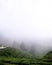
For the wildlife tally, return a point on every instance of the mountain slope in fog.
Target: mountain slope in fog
(47, 59)
(12, 52)
(12, 56)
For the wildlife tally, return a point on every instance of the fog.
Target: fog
(27, 21)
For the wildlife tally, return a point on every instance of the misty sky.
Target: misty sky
(26, 19)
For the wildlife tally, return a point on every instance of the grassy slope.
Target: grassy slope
(11, 56)
(47, 58)
(12, 52)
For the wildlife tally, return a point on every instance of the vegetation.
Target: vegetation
(11, 56)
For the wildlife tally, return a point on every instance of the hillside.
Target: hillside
(12, 56)
(12, 52)
(47, 58)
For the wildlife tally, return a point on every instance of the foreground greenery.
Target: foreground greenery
(11, 56)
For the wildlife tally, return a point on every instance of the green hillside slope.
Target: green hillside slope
(12, 56)
(12, 52)
(47, 58)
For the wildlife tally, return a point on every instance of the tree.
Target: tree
(23, 47)
(32, 49)
(15, 44)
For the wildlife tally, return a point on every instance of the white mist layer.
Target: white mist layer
(27, 20)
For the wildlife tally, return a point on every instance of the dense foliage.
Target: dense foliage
(11, 56)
